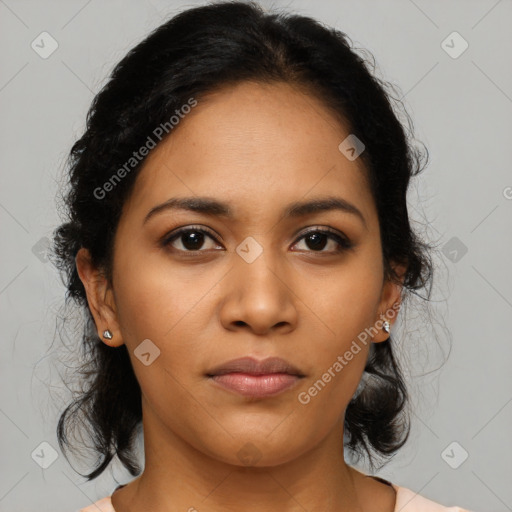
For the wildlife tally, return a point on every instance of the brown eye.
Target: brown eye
(191, 239)
(316, 240)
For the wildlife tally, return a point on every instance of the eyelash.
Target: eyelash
(343, 242)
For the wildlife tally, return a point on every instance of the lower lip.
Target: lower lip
(256, 385)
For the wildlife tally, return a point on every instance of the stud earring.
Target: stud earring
(107, 334)
(386, 326)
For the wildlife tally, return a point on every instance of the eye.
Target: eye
(191, 239)
(317, 239)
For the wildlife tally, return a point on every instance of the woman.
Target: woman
(238, 238)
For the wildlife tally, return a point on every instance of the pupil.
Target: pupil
(192, 240)
(318, 241)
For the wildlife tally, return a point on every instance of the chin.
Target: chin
(257, 451)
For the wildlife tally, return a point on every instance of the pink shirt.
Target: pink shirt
(406, 501)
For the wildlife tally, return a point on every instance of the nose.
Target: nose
(259, 298)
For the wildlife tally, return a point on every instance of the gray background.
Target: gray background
(461, 108)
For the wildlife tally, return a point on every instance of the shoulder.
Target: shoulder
(103, 505)
(409, 501)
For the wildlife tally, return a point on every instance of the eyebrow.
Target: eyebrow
(213, 207)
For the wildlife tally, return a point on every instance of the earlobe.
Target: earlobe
(99, 298)
(389, 306)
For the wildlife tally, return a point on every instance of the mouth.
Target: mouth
(258, 379)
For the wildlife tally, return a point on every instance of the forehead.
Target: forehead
(256, 146)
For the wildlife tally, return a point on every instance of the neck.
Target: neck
(177, 476)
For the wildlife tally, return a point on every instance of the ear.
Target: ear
(389, 304)
(100, 298)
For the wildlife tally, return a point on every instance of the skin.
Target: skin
(259, 148)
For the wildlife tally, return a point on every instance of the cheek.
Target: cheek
(346, 308)
(170, 307)
(346, 300)
(153, 295)
(338, 367)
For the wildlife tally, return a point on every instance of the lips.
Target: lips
(251, 366)
(255, 379)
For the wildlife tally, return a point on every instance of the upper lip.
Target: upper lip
(252, 366)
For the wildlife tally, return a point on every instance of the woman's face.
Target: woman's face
(254, 285)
